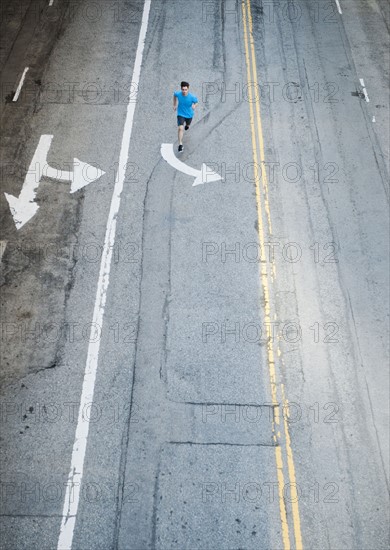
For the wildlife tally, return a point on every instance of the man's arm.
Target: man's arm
(175, 102)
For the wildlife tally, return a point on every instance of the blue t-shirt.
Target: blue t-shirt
(184, 108)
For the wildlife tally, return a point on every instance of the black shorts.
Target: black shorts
(181, 120)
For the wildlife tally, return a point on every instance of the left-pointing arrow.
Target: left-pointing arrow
(24, 207)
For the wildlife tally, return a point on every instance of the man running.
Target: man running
(185, 103)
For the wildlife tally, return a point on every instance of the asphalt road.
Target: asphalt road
(195, 366)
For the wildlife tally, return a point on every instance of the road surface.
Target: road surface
(194, 366)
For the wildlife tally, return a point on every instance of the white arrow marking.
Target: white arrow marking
(204, 175)
(79, 178)
(24, 207)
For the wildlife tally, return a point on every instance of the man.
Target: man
(185, 103)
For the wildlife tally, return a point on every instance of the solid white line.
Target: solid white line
(339, 7)
(18, 89)
(51, 2)
(3, 245)
(364, 90)
(72, 495)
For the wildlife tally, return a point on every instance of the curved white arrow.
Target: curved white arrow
(24, 207)
(204, 175)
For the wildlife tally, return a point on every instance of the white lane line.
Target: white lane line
(364, 90)
(339, 7)
(3, 245)
(51, 2)
(72, 494)
(18, 89)
(373, 119)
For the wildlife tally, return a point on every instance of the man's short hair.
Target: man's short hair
(184, 84)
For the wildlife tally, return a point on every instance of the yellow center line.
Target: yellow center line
(291, 474)
(264, 178)
(258, 118)
(251, 63)
(264, 278)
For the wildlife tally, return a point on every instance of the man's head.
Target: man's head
(184, 87)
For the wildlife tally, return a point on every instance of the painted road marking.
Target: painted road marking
(364, 91)
(282, 446)
(204, 175)
(3, 245)
(51, 3)
(338, 7)
(24, 207)
(18, 89)
(263, 274)
(72, 495)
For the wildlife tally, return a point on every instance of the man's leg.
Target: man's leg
(180, 132)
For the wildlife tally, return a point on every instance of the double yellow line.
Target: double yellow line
(280, 425)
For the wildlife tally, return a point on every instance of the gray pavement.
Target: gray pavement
(184, 446)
